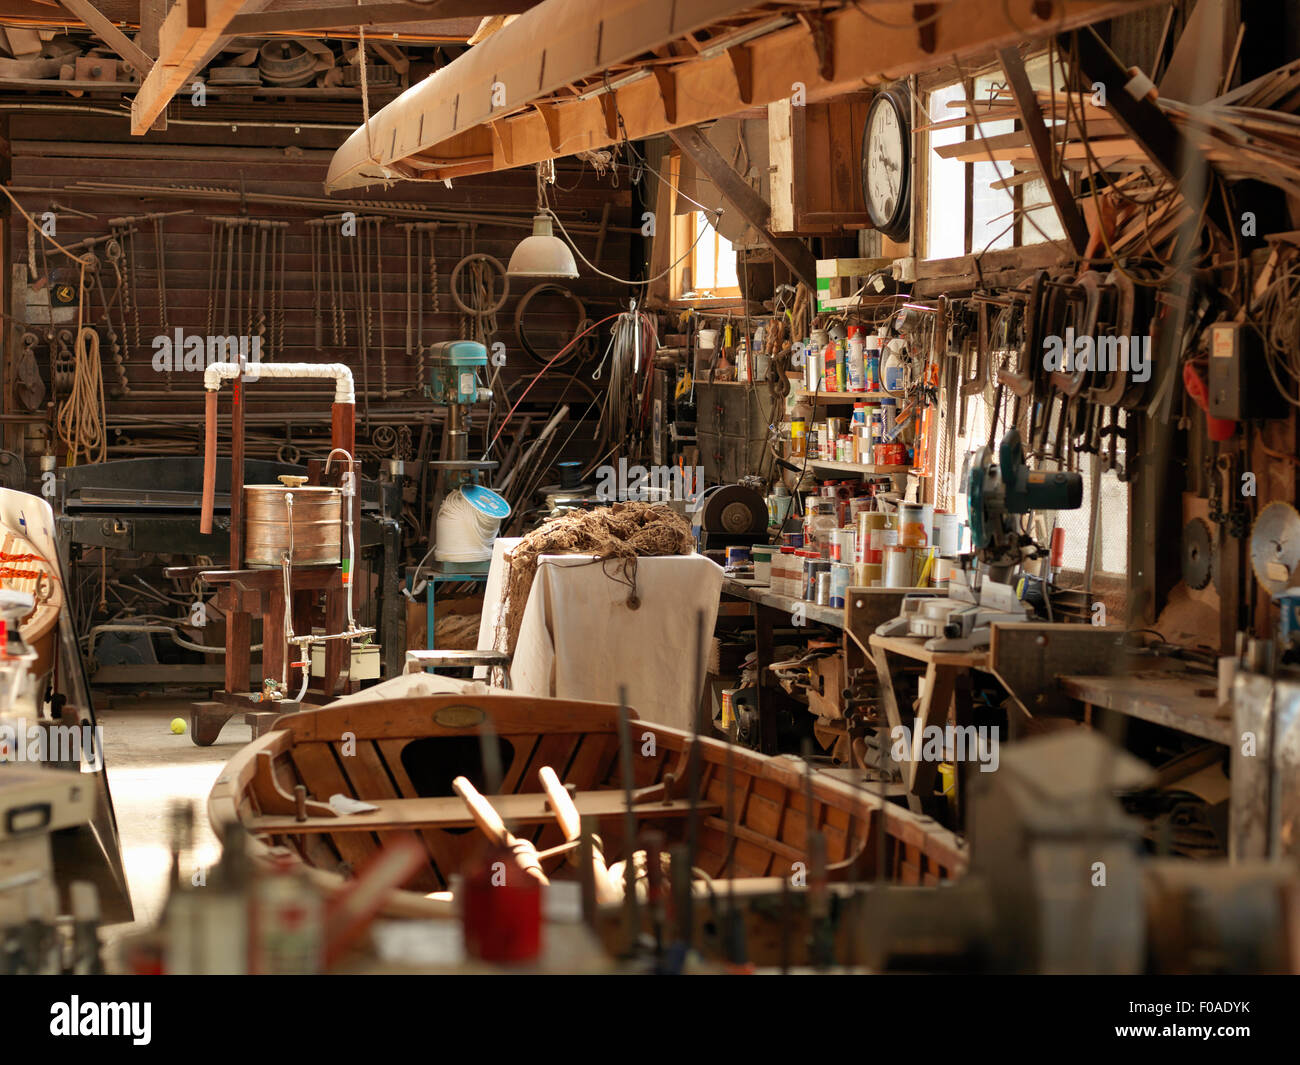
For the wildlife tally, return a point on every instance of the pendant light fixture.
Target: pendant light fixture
(543, 254)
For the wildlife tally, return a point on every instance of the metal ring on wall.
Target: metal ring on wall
(583, 321)
(479, 312)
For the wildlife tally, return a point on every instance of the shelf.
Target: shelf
(869, 398)
(856, 467)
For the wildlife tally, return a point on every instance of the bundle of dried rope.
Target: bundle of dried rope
(616, 536)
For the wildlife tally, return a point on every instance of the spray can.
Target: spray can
(856, 367)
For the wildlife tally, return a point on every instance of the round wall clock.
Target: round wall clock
(886, 163)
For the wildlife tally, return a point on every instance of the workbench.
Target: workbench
(1187, 702)
(946, 686)
(762, 595)
(767, 610)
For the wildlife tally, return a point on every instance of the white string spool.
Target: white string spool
(465, 528)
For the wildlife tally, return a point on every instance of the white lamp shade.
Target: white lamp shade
(543, 254)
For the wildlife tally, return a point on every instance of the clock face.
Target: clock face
(884, 166)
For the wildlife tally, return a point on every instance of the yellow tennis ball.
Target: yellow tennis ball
(178, 726)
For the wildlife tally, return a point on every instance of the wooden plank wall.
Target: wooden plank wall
(56, 152)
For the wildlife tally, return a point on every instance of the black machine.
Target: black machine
(730, 515)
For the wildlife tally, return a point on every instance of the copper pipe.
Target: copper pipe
(209, 461)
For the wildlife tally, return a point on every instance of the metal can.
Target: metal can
(822, 597)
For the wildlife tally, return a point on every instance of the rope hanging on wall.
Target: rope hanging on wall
(81, 418)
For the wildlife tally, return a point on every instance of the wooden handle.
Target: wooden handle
(561, 802)
(209, 462)
(485, 816)
(566, 812)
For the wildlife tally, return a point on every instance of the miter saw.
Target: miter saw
(1000, 494)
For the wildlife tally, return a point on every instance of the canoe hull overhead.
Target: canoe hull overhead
(402, 755)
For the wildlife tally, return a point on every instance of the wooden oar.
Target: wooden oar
(489, 821)
(566, 812)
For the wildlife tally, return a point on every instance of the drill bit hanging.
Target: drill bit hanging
(246, 282)
(423, 257)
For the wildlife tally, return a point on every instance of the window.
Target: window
(712, 261)
(974, 204)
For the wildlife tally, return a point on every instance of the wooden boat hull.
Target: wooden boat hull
(29, 563)
(402, 755)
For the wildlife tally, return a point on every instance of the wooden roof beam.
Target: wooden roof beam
(748, 203)
(1040, 140)
(190, 29)
(384, 13)
(1173, 154)
(110, 34)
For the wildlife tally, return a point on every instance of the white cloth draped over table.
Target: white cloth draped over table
(579, 638)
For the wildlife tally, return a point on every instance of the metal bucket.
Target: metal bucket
(317, 524)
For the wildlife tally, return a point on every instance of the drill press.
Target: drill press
(455, 368)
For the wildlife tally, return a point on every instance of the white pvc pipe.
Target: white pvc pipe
(351, 477)
(338, 372)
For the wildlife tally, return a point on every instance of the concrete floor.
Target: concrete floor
(148, 768)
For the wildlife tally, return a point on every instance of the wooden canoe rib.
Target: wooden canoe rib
(402, 756)
(573, 75)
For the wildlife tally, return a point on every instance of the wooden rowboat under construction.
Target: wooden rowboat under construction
(420, 761)
(29, 563)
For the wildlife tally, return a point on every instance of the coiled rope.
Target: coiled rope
(81, 418)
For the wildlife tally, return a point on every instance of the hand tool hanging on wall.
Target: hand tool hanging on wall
(334, 252)
(317, 321)
(419, 257)
(377, 225)
(28, 386)
(277, 311)
(251, 297)
(160, 276)
(124, 238)
(62, 362)
(363, 257)
(95, 278)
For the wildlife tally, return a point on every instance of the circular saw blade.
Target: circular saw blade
(1197, 553)
(1275, 546)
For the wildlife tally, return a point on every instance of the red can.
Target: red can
(891, 455)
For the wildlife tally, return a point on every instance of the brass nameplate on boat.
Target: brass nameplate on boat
(459, 716)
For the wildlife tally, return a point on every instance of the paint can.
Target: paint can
(737, 556)
(947, 533)
(873, 534)
(867, 574)
(900, 566)
(812, 569)
(842, 545)
(822, 597)
(942, 572)
(912, 529)
(840, 574)
(762, 556)
(728, 707)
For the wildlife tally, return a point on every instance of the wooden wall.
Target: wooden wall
(59, 151)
